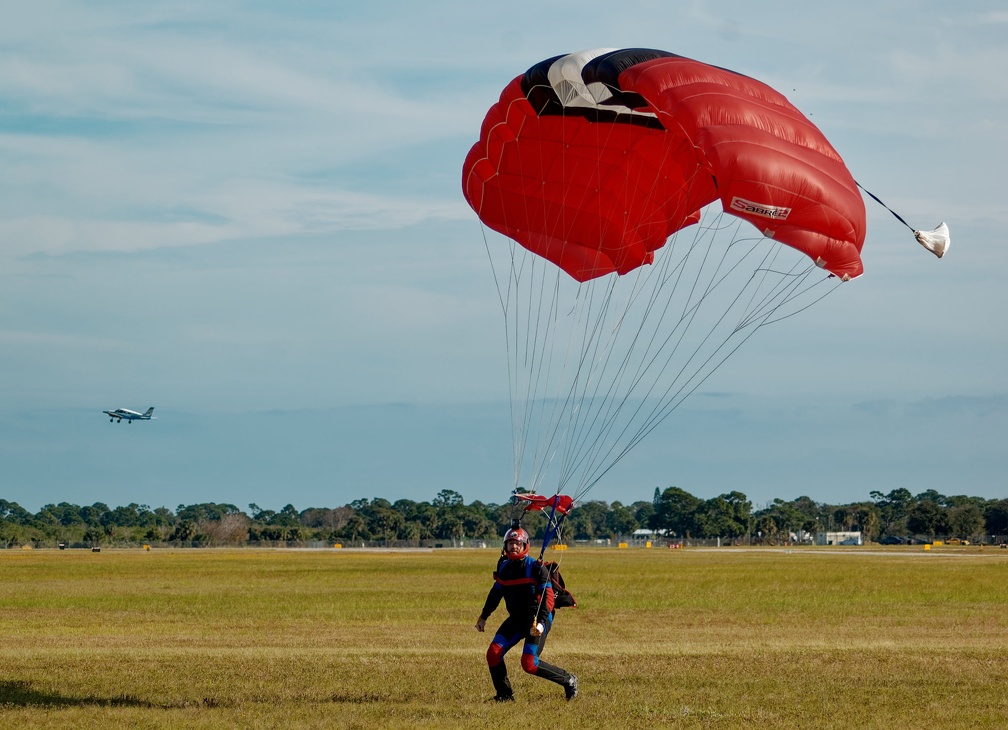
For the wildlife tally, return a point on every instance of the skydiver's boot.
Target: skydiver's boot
(555, 674)
(501, 683)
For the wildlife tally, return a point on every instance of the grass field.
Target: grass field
(729, 638)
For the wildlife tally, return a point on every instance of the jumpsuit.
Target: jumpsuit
(525, 586)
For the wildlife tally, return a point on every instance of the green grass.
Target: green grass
(725, 638)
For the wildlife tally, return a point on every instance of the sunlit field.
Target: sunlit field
(729, 638)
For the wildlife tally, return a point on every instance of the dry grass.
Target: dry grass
(348, 639)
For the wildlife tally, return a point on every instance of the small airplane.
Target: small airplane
(120, 413)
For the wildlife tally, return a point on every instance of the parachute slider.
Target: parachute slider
(936, 241)
(562, 503)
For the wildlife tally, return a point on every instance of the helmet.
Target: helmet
(519, 540)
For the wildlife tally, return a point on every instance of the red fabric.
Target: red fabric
(549, 600)
(597, 197)
(529, 663)
(525, 581)
(561, 502)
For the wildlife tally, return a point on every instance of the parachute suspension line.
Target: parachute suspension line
(493, 270)
(611, 406)
(593, 406)
(530, 358)
(567, 407)
(585, 419)
(537, 406)
(582, 379)
(667, 403)
(750, 324)
(504, 297)
(533, 400)
(649, 358)
(757, 314)
(802, 293)
(665, 412)
(553, 523)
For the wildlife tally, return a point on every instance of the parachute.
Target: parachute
(592, 160)
(624, 285)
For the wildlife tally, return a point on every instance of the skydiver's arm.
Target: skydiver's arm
(493, 600)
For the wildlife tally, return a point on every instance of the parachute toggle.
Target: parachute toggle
(936, 241)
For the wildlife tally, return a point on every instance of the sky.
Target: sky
(249, 215)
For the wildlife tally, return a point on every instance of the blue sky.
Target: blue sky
(248, 215)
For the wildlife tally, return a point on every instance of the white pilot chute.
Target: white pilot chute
(936, 241)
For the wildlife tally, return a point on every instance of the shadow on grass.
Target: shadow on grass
(22, 694)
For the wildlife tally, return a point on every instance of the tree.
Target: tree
(92, 515)
(587, 521)
(724, 516)
(425, 516)
(448, 498)
(185, 530)
(355, 529)
(644, 513)
(787, 516)
(927, 518)
(965, 521)
(869, 520)
(230, 529)
(11, 533)
(893, 508)
(621, 520)
(996, 518)
(676, 512)
(932, 495)
(386, 523)
(14, 513)
(475, 523)
(206, 511)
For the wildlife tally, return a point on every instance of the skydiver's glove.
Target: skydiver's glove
(536, 630)
(480, 624)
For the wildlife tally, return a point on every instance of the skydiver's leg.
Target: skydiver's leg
(506, 637)
(531, 662)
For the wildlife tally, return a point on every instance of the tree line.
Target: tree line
(448, 520)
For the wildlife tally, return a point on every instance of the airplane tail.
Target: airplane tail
(149, 412)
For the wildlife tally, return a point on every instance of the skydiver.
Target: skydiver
(524, 584)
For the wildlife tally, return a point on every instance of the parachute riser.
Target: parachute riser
(560, 505)
(553, 524)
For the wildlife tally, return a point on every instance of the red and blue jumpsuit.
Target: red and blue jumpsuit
(525, 586)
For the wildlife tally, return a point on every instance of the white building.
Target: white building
(644, 536)
(838, 538)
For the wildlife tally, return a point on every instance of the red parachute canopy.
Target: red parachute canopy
(562, 503)
(592, 160)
